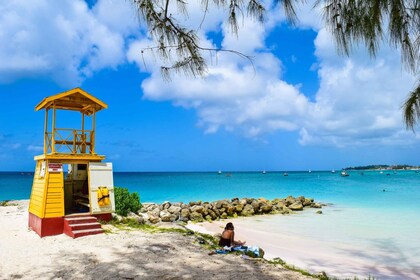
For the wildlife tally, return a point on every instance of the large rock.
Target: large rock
(301, 199)
(224, 215)
(192, 203)
(316, 205)
(222, 204)
(243, 201)
(165, 216)
(196, 217)
(289, 200)
(307, 202)
(185, 206)
(286, 211)
(184, 215)
(197, 208)
(256, 205)
(174, 209)
(219, 204)
(212, 214)
(135, 217)
(166, 205)
(297, 206)
(230, 210)
(248, 210)
(266, 206)
(239, 208)
(153, 218)
(279, 203)
(155, 211)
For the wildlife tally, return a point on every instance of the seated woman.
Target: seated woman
(228, 237)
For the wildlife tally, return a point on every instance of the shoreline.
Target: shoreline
(309, 242)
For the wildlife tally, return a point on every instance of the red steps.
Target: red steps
(81, 225)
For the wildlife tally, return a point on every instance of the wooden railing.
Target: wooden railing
(69, 141)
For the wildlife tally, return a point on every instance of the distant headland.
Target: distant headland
(384, 167)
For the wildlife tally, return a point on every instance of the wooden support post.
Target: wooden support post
(53, 130)
(46, 132)
(83, 136)
(92, 139)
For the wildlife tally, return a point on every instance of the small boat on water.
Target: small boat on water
(264, 172)
(309, 171)
(220, 172)
(285, 174)
(344, 174)
(333, 171)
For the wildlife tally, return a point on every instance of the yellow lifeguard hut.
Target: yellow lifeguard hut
(72, 187)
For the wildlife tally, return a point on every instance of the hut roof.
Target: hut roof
(75, 99)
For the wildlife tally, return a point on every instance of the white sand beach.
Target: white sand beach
(120, 255)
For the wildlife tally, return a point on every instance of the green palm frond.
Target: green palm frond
(411, 109)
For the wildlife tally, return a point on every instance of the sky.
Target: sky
(298, 106)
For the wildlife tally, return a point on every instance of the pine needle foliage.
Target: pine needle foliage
(351, 22)
(411, 109)
(397, 22)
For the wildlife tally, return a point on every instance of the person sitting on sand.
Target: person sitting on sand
(228, 237)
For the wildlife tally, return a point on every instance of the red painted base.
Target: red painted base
(54, 226)
(104, 217)
(46, 226)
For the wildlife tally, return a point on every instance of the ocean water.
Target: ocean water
(369, 189)
(371, 226)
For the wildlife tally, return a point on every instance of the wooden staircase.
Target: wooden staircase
(81, 225)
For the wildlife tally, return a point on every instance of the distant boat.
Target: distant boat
(264, 172)
(333, 171)
(309, 171)
(344, 174)
(220, 172)
(285, 174)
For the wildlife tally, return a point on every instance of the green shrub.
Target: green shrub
(126, 202)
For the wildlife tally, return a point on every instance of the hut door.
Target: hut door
(101, 188)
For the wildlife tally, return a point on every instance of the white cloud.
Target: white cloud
(35, 148)
(63, 40)
(358, 101)
(233, 95)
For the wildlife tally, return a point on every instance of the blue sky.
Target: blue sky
(304, 107)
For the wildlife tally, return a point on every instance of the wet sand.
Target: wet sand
(343, 248)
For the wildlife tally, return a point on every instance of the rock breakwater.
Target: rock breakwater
(221, 209)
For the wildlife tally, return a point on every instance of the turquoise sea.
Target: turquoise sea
(371, 226)
(402, 190)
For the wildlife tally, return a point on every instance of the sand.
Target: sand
(118, 255)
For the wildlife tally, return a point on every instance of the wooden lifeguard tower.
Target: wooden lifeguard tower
(72, 187)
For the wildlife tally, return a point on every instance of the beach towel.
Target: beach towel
(251, 251)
